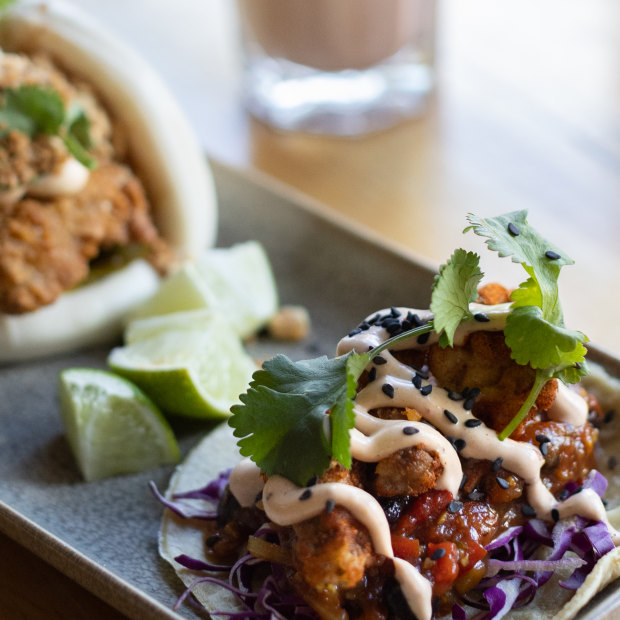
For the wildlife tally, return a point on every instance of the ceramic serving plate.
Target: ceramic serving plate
(104, 534)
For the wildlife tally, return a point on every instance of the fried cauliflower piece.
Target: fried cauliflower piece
(484, 362)
(332, 550)
(45, 246)
(410, 471)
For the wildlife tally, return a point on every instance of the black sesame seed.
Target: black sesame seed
(438, 553)
(563, 494)
(423, 338)
(609, 416)
(481, 317)
(394, 330)
(394, 311)
(388, 390)
(459, 444)
(410, 430)
(469, 403)
(528, 511)
(472, 423)
(555, 514)
(503, 484)
(452, 395)
(364, 326)
(540, 438)
(497, 464)
(312, 481)
(374, 319)
(372, 374)
(417, 381)
(463, 481)
(451, 416)
(473, 393)
(421, 374)
(379, 361)
(307, 494)
(475, 496)
(417, 321)
(551, 255)
(354, 332)
(454, 506)
(513, 229)
(579, 489)
(425, 390)
(612, 462)
(259, 496)
(330, 504)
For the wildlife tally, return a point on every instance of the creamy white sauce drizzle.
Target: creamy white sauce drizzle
(286, 504)
(569, 407)
(374, 439)
(71, 178)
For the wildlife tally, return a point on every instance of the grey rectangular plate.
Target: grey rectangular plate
(104, 534)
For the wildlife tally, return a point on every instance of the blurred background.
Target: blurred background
(525, 115)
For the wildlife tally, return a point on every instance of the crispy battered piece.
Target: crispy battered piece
(411, 471)
(45, 247)
(23, 159)
(492, 294)
(332, 550)
(484, 362)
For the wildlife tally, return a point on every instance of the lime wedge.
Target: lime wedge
(191, 372)
(112, 427)
(237, 282)
(192, 320)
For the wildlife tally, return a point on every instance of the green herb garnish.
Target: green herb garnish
(39, 110)
(283, 420)
(535, 331)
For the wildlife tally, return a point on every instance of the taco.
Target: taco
(103, 186)
(469, 480)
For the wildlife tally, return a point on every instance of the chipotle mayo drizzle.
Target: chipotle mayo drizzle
(373, 439)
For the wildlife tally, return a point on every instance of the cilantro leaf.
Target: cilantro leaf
(35, 110)
(535, 331)
(526, 329)
(285, 411)
(454, 288)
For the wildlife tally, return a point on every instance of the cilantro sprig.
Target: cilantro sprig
(39, 110)
(296, 416)
(535, 332)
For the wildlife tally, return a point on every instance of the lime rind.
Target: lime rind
(236, 282)
(112, 426)
(189, 372)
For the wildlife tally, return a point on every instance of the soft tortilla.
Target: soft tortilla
(218, 451)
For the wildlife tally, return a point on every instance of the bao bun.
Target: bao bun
(165, 156)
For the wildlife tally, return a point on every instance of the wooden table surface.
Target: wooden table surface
(526, 115)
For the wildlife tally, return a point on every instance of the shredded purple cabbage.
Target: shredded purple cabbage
(274, 600)
(511, 556)
(506, 586)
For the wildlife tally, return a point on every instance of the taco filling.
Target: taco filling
(67, 194)
(439, 509)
